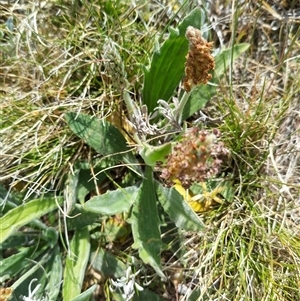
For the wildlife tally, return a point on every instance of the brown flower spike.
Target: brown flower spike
(199, 60)
(197, 157)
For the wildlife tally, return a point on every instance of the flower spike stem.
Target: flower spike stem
(182, 103)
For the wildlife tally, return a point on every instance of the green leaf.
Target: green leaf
(86, 296)
(116, 228)
(54, 276)
(226, 56)
(112, 202)
(146, 295)
(14, 263)
(34, 270)
(178, 210)
(81, 218)
(76, 263)
(27, 259)
(86, 183)
(200, 95)
(145, 224)
(47, 270)
(70, 188)
(51, 236)
(22, 215)
(107, 263)
(102, 136)
(173, 238)
(167, 64)
(14, 242)
(153, 154)
(195, 295)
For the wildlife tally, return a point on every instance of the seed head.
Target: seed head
(199, 60)
(195, 158)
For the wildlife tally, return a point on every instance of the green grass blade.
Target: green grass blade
(167, 65)
(76, 263)
(22, 215)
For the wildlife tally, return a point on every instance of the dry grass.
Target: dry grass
(54, 62)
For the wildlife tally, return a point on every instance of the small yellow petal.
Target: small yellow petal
(197, 206)
(181, 190)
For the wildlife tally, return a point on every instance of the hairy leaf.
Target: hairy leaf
(112, 202)
(76, 263)
(14, 263)
(102, 136)
(86, 295)
(32, 272)
(145, 224)
(22, 215)
(178, 209)
(108, 264)
(55, 272)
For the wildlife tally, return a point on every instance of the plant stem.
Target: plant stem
(179, 110)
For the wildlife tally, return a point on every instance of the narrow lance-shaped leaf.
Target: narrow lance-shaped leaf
(107, 264)
(14, 263)
(112, 202)
(102, 136)
(145, 224)
(54, 276)
(86, 295)
(76, 263)
(32, 271)
(167, 64)
(227, 56)
(178, 209)
(22, 215)
(44, 270)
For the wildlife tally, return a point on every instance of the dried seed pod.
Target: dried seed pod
(195, 158)
(199, 60)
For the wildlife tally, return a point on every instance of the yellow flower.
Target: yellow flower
(200, 202)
